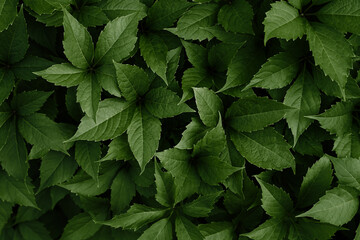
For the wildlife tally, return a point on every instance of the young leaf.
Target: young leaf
(88, 95)
(209, 106)
(347, 171)
(163, 103)
(252, 114)
(165, 188)
(143, 135)
(316, 181)
(265, 148)
(237, 17)
(86, 155)
(117, 40)
(160, 230)
(284, 21)
(304, 96)
(277, 72)
(186, 230)
(338, 206)
(275, 201)
(331, 52)
(273, 228)
(78, 45)
(122, 191)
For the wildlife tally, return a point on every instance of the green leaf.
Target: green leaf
(277, 72)
(194, 77)
(38, 129)
(27, 103)
(348, 145)
(143, 135)
(197, 54)
(115, 8)
(273, 228)
(209, 106)
(299, 3)
(163, 103)
(237, 17)
(122, 191)
(252, 114)
(165, 190)
(13, 152)
(190, 25)
(119, 149)
(306, 230)
(63, 74)
(117, 40)
(284, 21)
(78, 45)
(25, 68)
(5, 213)
(56, 168)
(347, 171)
(265, 148)
(338, 206)
(86, 155)
(217, 230)
(46, 6)
(202, 206)
(336, 120)
(106, 76)
(8, 11)
(315, 183)
(112, 119)
(80, 227)
(341, 15)
(195, 131)
(88, 95)
(132, 80)
(16, 191)
(34, 230)
(160, 230)
(331, 51)
(186, 230)
(154, 51)
(91, 16)
(177, 162)
(164, 13)
(304, 96)
(7, 83)
(14, 40)
(136, 217)
(275, 201)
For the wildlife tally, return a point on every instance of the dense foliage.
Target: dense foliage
(176, 119)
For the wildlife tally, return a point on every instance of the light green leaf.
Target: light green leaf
(252, 114)
(16, 191)
(14, 40)
(265, 148)
(27, 103)
(209, 106)
(136, 217)
(132, 80)
(311, 230)
(316, 181)
(144, 135)
(112, 119)
(190, 25)
(277, 72)
(284, 21)
(63, 74)
(38, 129)
(13, 152)
(154, 51)
(304, 96)
(202, 206)
(163, 103)
(299, 3)
(7, 83)
(78, 45)
(106, 76)
(237, 17)
(46, 6)
(273, 228)
(80, 227)
(117, 40)
(165, 189)
(88, 95)
(186, 230)
(331, 51)
(122, 191)
(336, 120)
(195, 131)
(338, 206)
(275, 201)
(8, 11)
(164, 13)
(341, 15)
(347, 171)
(348, 145)
(161, 230)
(86, 155)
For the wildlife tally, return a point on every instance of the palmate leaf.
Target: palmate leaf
(331, 52)
(79, 227)
(27, 103)
(311, 230)
(237, 17)
(196, 54)
(348, 145)
(114, 8)
(186, 230)
(119, 149)
(273, 228)
(202, 206)
(160, 230)
(284, 21)
(88, 95)
(86, 155)
(91, 16)
(338, 206)
(8, 13)
(347, 171)
(46, 6)
(26, 67)
(217, 230)
(195, 131)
